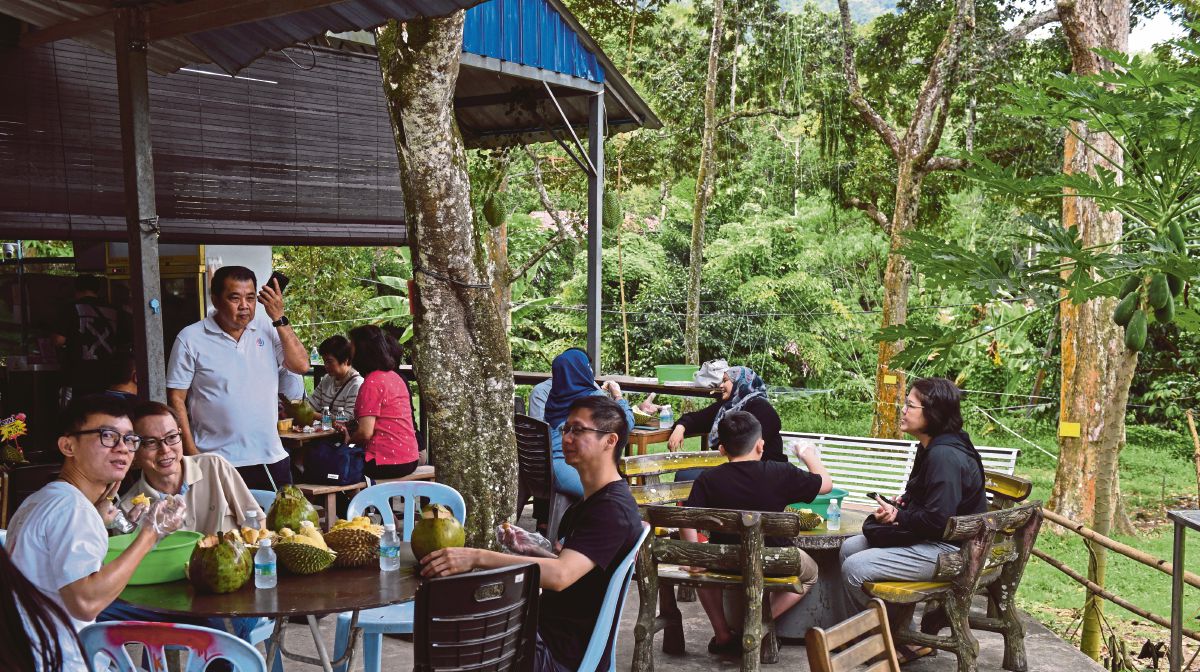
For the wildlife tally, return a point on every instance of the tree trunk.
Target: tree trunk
(704, 188)
(1097, 369)
(462, 361)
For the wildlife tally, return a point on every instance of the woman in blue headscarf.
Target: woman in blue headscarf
(741, 390)
(572, 378)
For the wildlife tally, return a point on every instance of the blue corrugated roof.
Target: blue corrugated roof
(529, 32)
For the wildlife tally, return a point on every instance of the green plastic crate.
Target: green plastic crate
(163, 564)
(675, 373)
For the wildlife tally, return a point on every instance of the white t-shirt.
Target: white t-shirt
(232, 389)
(56, 538)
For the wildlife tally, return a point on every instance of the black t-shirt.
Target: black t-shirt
(94, 334)
(603, 527)
(701, 422)
(753, 485)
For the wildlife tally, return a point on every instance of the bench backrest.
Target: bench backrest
(749, 558)
(1000, 539)
(863, 464)
(649, 469)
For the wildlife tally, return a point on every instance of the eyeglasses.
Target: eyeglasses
(909, 404)
(568, 430)
(110, 438)
(152, 443)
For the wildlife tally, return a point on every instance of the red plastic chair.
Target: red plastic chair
(104, 646)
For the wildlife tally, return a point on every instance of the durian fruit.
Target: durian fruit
(809, 520)
(140, 499)
(355, 546)
(301, 557)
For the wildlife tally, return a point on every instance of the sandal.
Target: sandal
(731, 648)
(907, 654)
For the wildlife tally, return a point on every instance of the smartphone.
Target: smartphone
(873, 495)
(283, 281)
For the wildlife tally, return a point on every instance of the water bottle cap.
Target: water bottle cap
(251, 513)
(264, 543)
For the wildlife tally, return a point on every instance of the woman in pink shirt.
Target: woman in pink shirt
(383, 409)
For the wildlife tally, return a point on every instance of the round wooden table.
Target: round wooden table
(330, 592)
(826, 603)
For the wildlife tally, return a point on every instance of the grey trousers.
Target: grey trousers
(861, 563)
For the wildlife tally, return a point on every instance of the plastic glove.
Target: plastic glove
(519, 541)
(165, 515)
(105, 507)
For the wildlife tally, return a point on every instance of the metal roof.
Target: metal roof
(529, 32)
(233, 47)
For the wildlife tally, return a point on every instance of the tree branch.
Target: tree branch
(945, 163)
(564, 230)
(868, 113)
(761, 112)
(1023, 29)
(872, 211)
(925, 130)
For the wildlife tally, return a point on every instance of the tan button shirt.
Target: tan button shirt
(217, 499)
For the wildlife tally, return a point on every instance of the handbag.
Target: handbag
(710, 373)
(331, 462)
(886, 535)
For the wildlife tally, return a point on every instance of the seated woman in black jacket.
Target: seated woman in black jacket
(741, 390)
(946, 481)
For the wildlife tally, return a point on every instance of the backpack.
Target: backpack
(331, 462)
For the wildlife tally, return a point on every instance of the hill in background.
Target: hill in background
(862, 11)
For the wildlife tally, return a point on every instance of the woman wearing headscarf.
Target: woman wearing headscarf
(573, 378)
(741, 390)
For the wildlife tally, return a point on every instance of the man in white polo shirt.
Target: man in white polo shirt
(223, 378)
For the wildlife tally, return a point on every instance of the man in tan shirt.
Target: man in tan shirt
(217, 499)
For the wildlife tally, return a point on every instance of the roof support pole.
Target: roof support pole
(141, 217)
(595, 201)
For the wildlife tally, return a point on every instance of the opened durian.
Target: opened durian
(809, 520)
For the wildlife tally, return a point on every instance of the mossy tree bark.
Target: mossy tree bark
(461, 355)
(1097, 369)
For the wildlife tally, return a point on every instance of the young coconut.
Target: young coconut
(436, 529)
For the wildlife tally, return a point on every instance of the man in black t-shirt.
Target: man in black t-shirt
(92, 332)
(597, 534)
(749, 483)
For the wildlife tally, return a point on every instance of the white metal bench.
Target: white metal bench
(861, 464)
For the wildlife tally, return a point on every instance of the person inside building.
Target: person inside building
(91, 331)
(383, 417)
(57, 538)
(223, 382)
(597, 534)
(340, 384)
(946, 480)
(749, 483)
(121, 376)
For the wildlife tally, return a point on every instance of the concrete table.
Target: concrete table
(1182, 520)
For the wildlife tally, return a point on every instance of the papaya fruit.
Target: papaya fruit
(1167, 313)
(1125, 309)
(1175, 283)
(1158, 292)
(1175, 233)
(1135, 331)
(1131, 283)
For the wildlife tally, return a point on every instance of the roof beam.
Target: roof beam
(199, 16)
(67, 30)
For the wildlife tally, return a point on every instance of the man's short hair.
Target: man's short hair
(89, 283)
(235, 273)
(146, 409)
(738, 432)
(121, 369)
(608, 416)
(336, 346)
(80, 410)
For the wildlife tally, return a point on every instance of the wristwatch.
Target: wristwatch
(281, 322)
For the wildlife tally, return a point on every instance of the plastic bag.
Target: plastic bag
(710, 373)
(519, 541)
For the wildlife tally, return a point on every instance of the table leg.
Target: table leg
(1176, 662)
(330, 510)
(275, 643)
(315, 628)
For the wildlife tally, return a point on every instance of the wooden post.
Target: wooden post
(1195, 450)
(752, 558)
(643, 631)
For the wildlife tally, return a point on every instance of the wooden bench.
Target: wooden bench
(995, 549)
(731, 567)
(861, 464)
(330, 492)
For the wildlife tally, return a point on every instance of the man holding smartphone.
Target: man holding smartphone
(223, 377)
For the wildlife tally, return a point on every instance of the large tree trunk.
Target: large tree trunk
(704, 188)
(462, 361)
(1096, 367)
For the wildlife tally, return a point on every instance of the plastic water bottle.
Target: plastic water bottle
(666, 419)
(252, 520)
(314, 357)
(389, 549)
(833, 516)
(326, 418)
(265, 567)
(341, 415)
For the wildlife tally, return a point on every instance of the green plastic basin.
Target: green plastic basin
(676, 373)
(164, 563)
(821, 502)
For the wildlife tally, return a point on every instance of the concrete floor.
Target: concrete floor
(1046, 652)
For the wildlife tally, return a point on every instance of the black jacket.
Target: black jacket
(946, 481)
(701, 422)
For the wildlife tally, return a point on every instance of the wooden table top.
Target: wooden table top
(331, 591)
(823, 539)
(304, 437)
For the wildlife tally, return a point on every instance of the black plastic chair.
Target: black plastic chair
(23, 481)
(535, 471)
(479, 621)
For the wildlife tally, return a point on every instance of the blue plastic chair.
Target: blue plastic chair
(105, 642)
(395, 618)
(265, 499)
(608, 622)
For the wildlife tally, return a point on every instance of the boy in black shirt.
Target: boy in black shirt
(748, 483)
(598, 532)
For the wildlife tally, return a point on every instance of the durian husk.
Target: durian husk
(300, 556)
(809, 520)
(355, 546)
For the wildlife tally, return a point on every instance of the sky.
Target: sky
(1148, 33)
